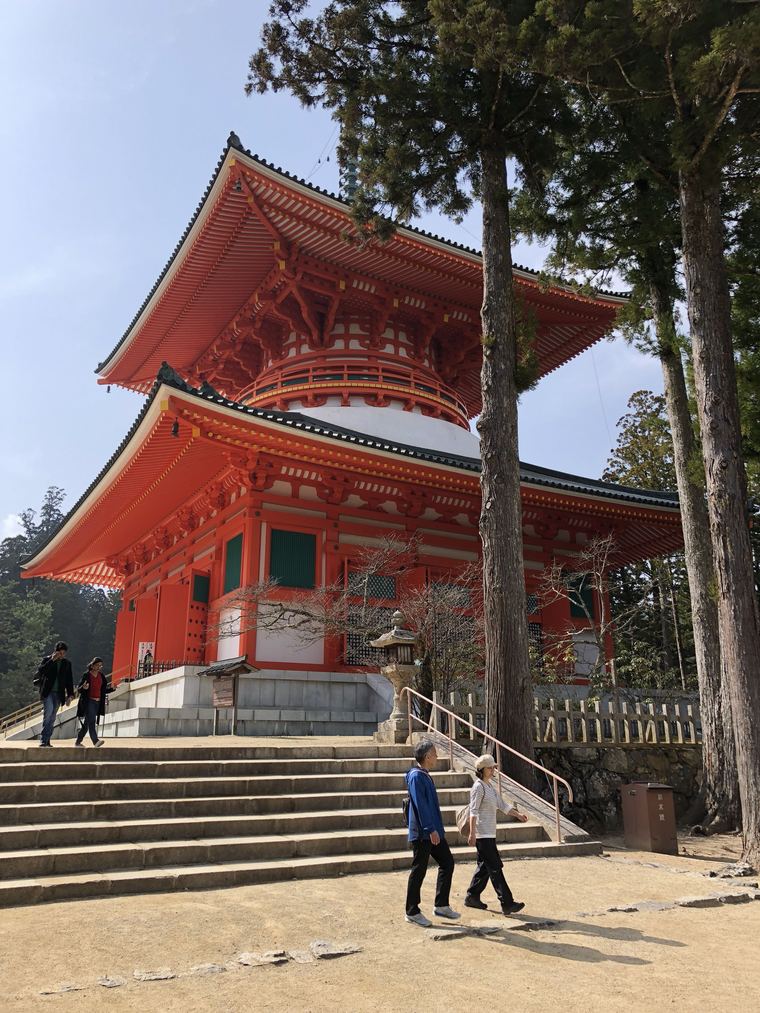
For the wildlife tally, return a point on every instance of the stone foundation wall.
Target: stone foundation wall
(596, 775)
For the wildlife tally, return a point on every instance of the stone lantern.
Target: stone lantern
(400, 668)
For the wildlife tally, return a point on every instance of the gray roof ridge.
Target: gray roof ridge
(168, 377)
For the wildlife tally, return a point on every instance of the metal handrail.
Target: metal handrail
(436, 708)
(20, 716)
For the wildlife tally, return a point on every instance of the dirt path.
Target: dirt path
(682, 958)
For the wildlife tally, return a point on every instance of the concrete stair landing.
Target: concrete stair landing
(81, 823)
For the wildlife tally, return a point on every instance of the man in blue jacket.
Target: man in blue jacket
(427, 838)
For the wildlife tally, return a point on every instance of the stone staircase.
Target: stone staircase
(141, 819)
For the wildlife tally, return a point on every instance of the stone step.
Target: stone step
(140, 854)
(83, 767)
(84, 791)
(33, 814)
(209, 877)
(311, 749)
(73, 834)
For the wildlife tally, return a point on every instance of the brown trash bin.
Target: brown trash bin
(649, 817)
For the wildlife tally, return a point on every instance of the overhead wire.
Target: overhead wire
(330, 141)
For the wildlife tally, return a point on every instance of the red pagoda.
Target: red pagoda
(318, 394)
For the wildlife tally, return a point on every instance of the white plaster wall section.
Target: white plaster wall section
(284, 509)
(280, 488)
(459, 536)
(228, 645)
(404, 427)
(348, 539)
(285, 645)
(447, 553)
(348, 519)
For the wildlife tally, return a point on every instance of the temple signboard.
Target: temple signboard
(223, 691)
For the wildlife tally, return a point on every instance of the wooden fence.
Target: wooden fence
(572, 722)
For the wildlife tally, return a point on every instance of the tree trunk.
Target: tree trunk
(720, 784)
(509, 691)
(666, 645)
(717, 404)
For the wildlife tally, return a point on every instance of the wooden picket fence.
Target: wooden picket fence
(571, 722)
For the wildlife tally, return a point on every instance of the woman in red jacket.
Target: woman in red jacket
(92, 689)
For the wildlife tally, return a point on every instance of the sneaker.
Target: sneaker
(446, 912)
(45, 745)
(475, 902)
(79, 745)
(513, 908)
(100, 742)
(419, 919)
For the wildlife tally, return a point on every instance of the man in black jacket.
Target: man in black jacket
(56, 682)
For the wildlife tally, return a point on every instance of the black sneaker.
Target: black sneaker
(475, 902)
(513, 908)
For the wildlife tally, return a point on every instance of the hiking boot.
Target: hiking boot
(446, 912)
(513, 908)
(419, 919)
(475, 902)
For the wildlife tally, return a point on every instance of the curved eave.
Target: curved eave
(211, 273)
(153, 473)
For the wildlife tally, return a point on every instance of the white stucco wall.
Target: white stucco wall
(405, 427)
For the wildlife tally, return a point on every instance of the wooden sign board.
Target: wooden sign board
(223, 691)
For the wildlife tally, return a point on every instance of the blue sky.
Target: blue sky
(114, 116)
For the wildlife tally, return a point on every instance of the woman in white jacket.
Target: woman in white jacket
(484, 801)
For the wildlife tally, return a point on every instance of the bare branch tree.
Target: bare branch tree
(445, 612)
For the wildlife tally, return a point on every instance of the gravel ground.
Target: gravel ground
(591, 959)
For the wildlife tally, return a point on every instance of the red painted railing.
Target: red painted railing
(304, 380)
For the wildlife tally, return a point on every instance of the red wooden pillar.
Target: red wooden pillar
(249, 575)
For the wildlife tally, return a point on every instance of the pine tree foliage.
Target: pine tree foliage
(654, 649)
(430, 112)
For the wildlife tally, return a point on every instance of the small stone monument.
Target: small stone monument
(398, 644)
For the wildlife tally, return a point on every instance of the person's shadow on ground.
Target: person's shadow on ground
(573, 951)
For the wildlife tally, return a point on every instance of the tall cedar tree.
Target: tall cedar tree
(692, 69)
(656, 638)
(430, 116)
(604, 210)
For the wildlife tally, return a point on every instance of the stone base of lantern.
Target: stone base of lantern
(396, 728)
(393, 731)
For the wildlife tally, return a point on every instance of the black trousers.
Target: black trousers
(489, 867)
(89, 721)
(423, 851)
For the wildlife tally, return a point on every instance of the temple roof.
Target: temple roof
(254, 216)
(154, 471)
